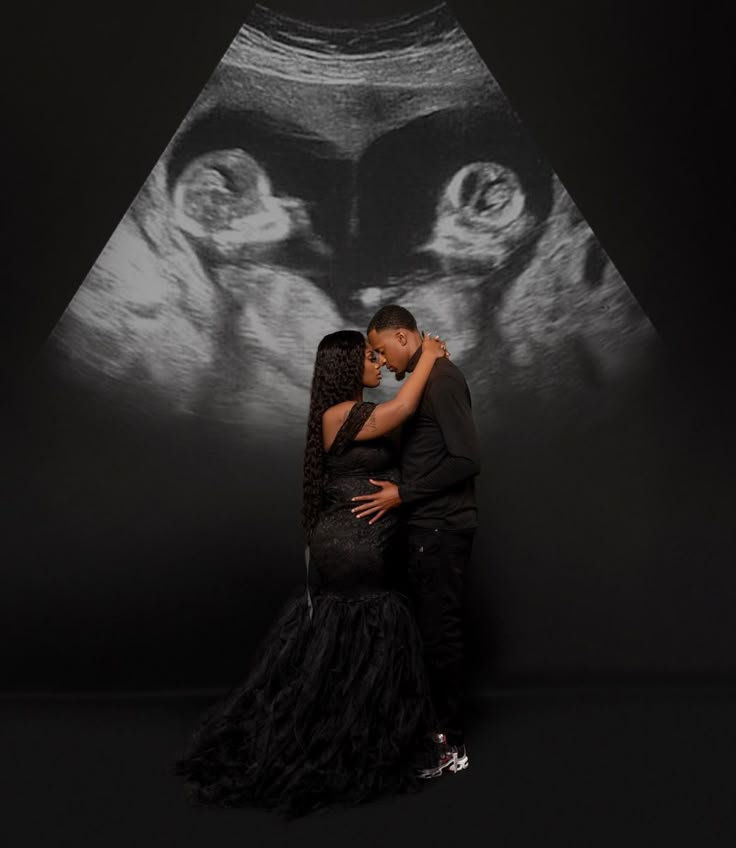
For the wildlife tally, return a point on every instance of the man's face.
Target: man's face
(392, 347)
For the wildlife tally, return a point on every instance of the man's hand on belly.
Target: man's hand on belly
(379, 503)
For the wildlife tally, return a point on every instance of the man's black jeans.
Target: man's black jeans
(436, 562)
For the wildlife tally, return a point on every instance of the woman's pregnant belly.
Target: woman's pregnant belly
(346, 551)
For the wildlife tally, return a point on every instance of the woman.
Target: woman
(336, 710)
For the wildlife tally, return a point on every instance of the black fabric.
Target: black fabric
(440, 453)
(337, 710)
(436, 564)
(347, 551)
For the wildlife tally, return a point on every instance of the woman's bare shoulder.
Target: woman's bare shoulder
(339, 412)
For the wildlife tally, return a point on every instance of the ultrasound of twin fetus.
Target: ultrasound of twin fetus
(292, 203)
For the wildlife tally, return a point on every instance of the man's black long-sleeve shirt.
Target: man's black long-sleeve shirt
(440, 455)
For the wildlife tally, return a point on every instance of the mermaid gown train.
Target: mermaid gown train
(336, 710)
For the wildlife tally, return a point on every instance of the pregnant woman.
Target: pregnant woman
(337, 710)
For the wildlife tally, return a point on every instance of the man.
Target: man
(439, 461)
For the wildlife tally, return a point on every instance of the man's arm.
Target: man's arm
(452, 410)
(451, 407)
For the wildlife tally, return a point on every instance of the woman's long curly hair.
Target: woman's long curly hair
(338, 376)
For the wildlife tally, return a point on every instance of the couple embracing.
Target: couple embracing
(358, 690)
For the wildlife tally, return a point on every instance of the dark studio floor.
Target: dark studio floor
(595, 768)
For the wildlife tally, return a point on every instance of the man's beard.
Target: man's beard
(399, 375)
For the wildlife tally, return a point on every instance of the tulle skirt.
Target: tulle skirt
(335, 712)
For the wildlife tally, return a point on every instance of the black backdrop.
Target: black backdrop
(132, 555)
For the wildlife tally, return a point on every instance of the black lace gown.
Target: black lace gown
(336, 710)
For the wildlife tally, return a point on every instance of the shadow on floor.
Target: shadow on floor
(595, 768)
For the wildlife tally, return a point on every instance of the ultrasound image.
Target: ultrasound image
(321, 173)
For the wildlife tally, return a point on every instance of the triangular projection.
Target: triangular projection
(325, 171)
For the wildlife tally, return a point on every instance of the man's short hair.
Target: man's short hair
(392, 317)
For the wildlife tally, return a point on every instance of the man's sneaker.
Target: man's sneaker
(461, 758)
(449, 758)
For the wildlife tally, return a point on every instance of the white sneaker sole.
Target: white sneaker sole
(454, 765)
(459, 763)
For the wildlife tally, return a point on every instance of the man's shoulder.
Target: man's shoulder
(445, 368)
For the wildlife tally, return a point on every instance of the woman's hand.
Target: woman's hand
(434, 345)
